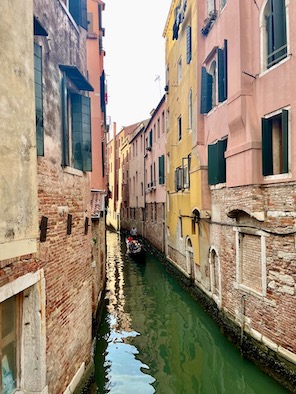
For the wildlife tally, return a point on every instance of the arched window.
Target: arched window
(275, 32)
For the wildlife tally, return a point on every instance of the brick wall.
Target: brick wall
(98, 260)
(270, 310)
(68, 272)
(154, 225)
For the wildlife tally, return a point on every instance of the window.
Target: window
(188, 45)
(161, 173)
(186, 169)
(76, 129)
(9, 345)
(276, 31)
(211, 6)
(39, 99)
(179, 128)
(179, 178)
(190, 109)
(103, 95)
(162, 123)
(150, 138)
(210, 83)
(179, 70)
(151, 176)
(78, 10)
(213, 73)
(168, 120)
(22, 335)
(182, 174)
(180, 227)
(275, 146)
(167, 79)
(158, 128)
(222, 4)
(217, 162)
(251, 257)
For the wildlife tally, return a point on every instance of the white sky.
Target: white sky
(135, 56)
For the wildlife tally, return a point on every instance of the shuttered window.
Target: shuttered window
(161, 174)
(206, 91)
(150, 138)
(179, 128)
(275, 147)
(76, 130)
(81, 132)
(188, 45)
(179, 178)
(39, 99)
(276, 29)
(78, 10)
(186, 171)
(217, 162)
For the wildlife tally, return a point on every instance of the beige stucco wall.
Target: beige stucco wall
(18, 208)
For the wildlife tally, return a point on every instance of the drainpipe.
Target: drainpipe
(243, 309)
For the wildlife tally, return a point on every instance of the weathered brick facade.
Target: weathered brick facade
(155, 225)
(258, 274)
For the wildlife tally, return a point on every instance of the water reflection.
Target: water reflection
(155, 338)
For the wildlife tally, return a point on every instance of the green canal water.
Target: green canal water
(154, 338)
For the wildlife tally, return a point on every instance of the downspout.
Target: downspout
(243, 310)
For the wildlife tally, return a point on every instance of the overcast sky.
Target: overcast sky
(135, 57)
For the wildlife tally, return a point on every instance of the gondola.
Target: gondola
(135, 249)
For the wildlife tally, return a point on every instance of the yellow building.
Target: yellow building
(187, 235)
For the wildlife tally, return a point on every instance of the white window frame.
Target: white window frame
(33, 325)
(263, 40)
(238, 283)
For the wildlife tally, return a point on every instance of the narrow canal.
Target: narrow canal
(154, 338)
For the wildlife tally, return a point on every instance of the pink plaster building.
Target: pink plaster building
(247, 102)
(132, 153)
(98, 179)
(154, 179)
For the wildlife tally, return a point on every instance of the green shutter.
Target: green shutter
(285, 143)
(206, 91)
(102, 92)
(81, 132)
(161, 170)
(217, 162)
(221, 170)
(221, 97)
(225, 50)
(78, 10)
(65, 128)
(279, 28)
(38, 99)
(103, 159)
(188, 45)
(267, 165)
(222, 73)
(212, 164)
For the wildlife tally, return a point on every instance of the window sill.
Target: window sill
(72, 171)
(248, 290)
(278, 177)
(266, 71)
(218, 186)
